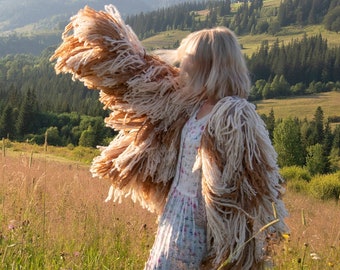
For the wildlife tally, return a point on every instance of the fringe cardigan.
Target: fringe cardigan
(241, 185)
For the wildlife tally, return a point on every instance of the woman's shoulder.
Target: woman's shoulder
(235, 100)
(232, 105)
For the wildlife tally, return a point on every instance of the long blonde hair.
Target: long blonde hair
(212, 64)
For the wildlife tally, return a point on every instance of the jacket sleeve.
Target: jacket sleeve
(241, 184)
(138, 88)
(100, 50)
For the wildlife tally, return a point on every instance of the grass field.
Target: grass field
(53, 216)
(251, 43)
(302, 107)
(271, 3)
(164, 40)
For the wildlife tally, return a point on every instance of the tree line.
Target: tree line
(32, 95)
(250, 16)
(186, 16)
(310, 144)
(301, 67)
(34, 100)
(303, 12)
(24, 120)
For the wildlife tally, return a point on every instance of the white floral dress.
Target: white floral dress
(181, 237)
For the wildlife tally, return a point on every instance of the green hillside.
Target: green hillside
(250, 42)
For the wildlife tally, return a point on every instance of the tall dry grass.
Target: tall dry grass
(314, 241)
(52, 216)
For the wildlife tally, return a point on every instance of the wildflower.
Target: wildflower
(315, 256)
(286, 236)
(76, 254)
(62, 256)
(12, 225)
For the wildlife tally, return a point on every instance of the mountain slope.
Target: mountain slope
(16, 15)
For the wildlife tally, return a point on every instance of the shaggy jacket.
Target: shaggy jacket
(241, 185)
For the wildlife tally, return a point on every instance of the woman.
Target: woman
(190, 146)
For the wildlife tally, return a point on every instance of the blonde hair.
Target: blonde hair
(213, 65)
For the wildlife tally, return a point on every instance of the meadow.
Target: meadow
(53, 216)
(302, 106)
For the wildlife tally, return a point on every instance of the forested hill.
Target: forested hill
(251, 17)
(33, 99)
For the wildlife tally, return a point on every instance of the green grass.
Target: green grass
(62, 154)
(271, 3)
(302, 107)
(251, 43)
(164, 40)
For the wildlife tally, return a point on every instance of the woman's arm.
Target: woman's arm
(105, 54)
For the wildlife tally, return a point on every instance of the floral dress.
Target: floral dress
(181, 237)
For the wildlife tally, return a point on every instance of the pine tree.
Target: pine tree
(28, 110)
(7, 128)
(319, 123)
(328, 139)
(336, 140)
(270, 123)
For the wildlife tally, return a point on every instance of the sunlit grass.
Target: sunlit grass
(301, 107)
(164, 40)
(52, 216)
(66, 154)
(251, 43)
(271, 3)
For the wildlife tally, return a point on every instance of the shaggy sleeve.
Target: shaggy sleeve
(105, 54)
(100, 50)
(241, 184)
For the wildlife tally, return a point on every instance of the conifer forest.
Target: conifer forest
(35, 101)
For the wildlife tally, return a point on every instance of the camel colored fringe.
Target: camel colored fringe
(240, 177)
(240, 190)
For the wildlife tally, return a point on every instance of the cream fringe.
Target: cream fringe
(241, 192)
(140, 89)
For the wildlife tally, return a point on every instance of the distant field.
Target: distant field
(164, 40)
(251, 43)
(271, 3)
(302, 107)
